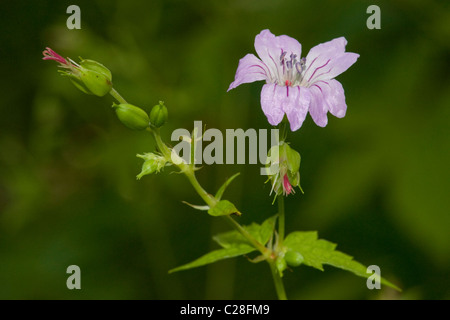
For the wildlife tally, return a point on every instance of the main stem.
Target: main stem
(279, 286)
(281, 219)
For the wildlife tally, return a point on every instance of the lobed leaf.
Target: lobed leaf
(317, 252)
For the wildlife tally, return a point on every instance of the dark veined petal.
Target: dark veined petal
(318, 107)
(327, 60)
(250, 69)
(296, 107)
(335, 97)
(272, 100)
(269, 49)
(279, 100)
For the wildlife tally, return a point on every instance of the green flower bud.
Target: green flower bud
(281, 265)
(89, 76)
(158, 115)
(283, 165)
(293, 258)
(132, 117)
(153, 163)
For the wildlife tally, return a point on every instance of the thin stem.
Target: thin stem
(209, 199)
(279, 286)
(281, 220)
(117, 96)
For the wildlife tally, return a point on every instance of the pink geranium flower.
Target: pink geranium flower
(296, 85)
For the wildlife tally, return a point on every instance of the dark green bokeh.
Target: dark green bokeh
(376, 182)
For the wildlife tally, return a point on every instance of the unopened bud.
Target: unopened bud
(89, 76)
(96, 77)
(153, 163)
(293, 258)
(158, 115)
(131, 116)
(281, 265)
(287, 162)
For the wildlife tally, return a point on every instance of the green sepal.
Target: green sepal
(222, 189)
(153, 163)
(317, 252)
(281, 265)
(292, 157)
(223, 208)
(97, 67)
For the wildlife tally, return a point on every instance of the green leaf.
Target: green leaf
(234, 244)
(221, 190)
(216, 255)
(261, 233)
(317, 252)
(223, 208)
(266, 229)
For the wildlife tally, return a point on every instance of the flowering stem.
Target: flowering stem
(211, 201)
(281, 219)
(279, 286)
(117, 96)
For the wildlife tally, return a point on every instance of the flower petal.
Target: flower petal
(335, 97)
(296, 107)
(272, 97)
(327, 60)
(250, 69)
(269, 49)
(279, 100)
(318, 107)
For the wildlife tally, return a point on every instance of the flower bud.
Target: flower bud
(89, 76)
(286, 175)
(293, 258)
(281, 265)
(158, 115)
(153, 163)
(132, 117)
(96, 78)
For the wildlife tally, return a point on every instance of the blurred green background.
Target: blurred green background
(376, 182)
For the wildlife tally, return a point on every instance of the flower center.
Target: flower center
(291, 70)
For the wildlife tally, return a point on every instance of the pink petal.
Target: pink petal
(250, 69)
(269, 49)
(279, 100)
(272, 97)
(287, 185)
(327, 60)
(318, 107)
(296, 107)
(49, 54)
(335, 97)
